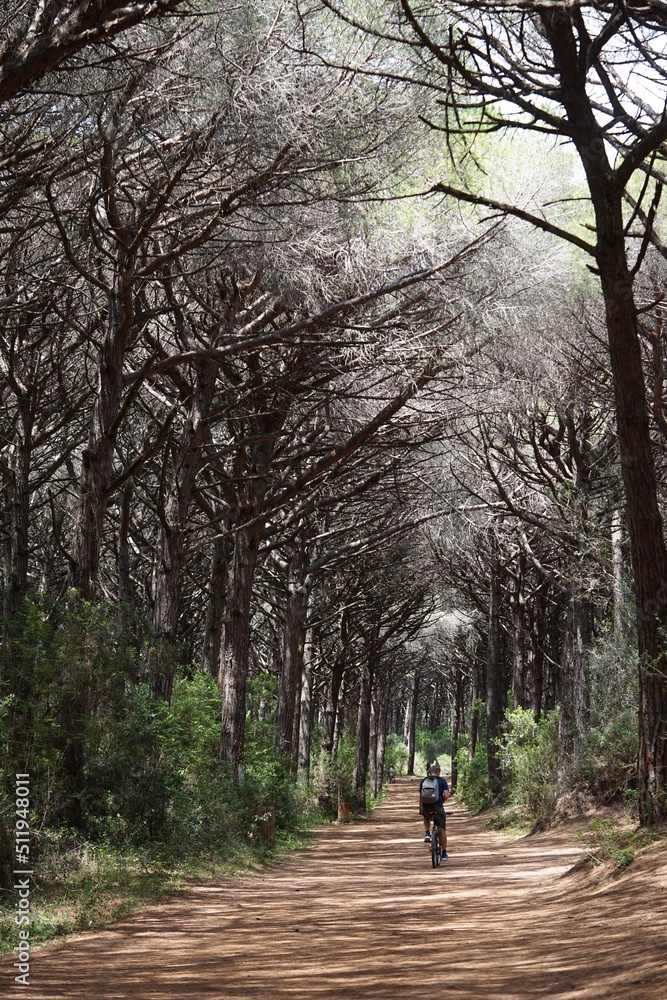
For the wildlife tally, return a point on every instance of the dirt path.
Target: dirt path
(363, 915)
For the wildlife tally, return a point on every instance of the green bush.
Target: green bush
(472, 774)
(610, 759)
(342, 770)
(395, 754)
(528, 753)
(67, 665)
(153, 775)
(620, 843)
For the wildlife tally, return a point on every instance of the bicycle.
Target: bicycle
(436, 849)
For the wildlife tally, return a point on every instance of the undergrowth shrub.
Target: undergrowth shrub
(612, 739)
(620, 844)
(472, 773)
(151, 775)
(342, 770)
(395, 754)
(528, 752)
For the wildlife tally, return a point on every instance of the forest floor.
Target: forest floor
(362, 914)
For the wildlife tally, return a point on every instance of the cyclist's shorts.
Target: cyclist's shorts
(436, 813)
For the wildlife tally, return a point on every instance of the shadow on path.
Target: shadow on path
(364, 915)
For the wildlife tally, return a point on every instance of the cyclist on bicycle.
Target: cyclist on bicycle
(436, 811)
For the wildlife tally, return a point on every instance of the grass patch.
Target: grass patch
(619, 842)
(90, 886)
(512, 820)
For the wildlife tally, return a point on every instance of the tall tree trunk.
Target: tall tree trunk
(97, 457)
(296, 715)
(373, 746)
(407, 716)
(493, 678)
(518, 658)
(332, 712)
(551, 671)
(412, 730)
(95, 483)
(617, 570)
(166, 596)
(307, 705)
(253, 466)
(334, 688)
(537, 641)
(394, 716)
(383, 701)
(125, 587)
(457, 724)
(644, 523)
(573, 721)
(478, 685)
(363, 732)
(20, 505)
(647, 546)
(295, 616)
(216, 605)
(235, 645)
(340, 716)
(174, 519)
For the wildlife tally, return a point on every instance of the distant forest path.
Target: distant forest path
(362, 914)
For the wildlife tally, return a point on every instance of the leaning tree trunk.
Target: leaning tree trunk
(644, 523)
(406, 717)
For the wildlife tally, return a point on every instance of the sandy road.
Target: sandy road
(362, 914)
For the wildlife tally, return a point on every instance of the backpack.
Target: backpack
(430, 790)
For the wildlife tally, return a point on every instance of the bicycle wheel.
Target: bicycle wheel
(435, 847)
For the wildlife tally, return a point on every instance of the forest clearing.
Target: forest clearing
(333, 442)
(362, 914)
